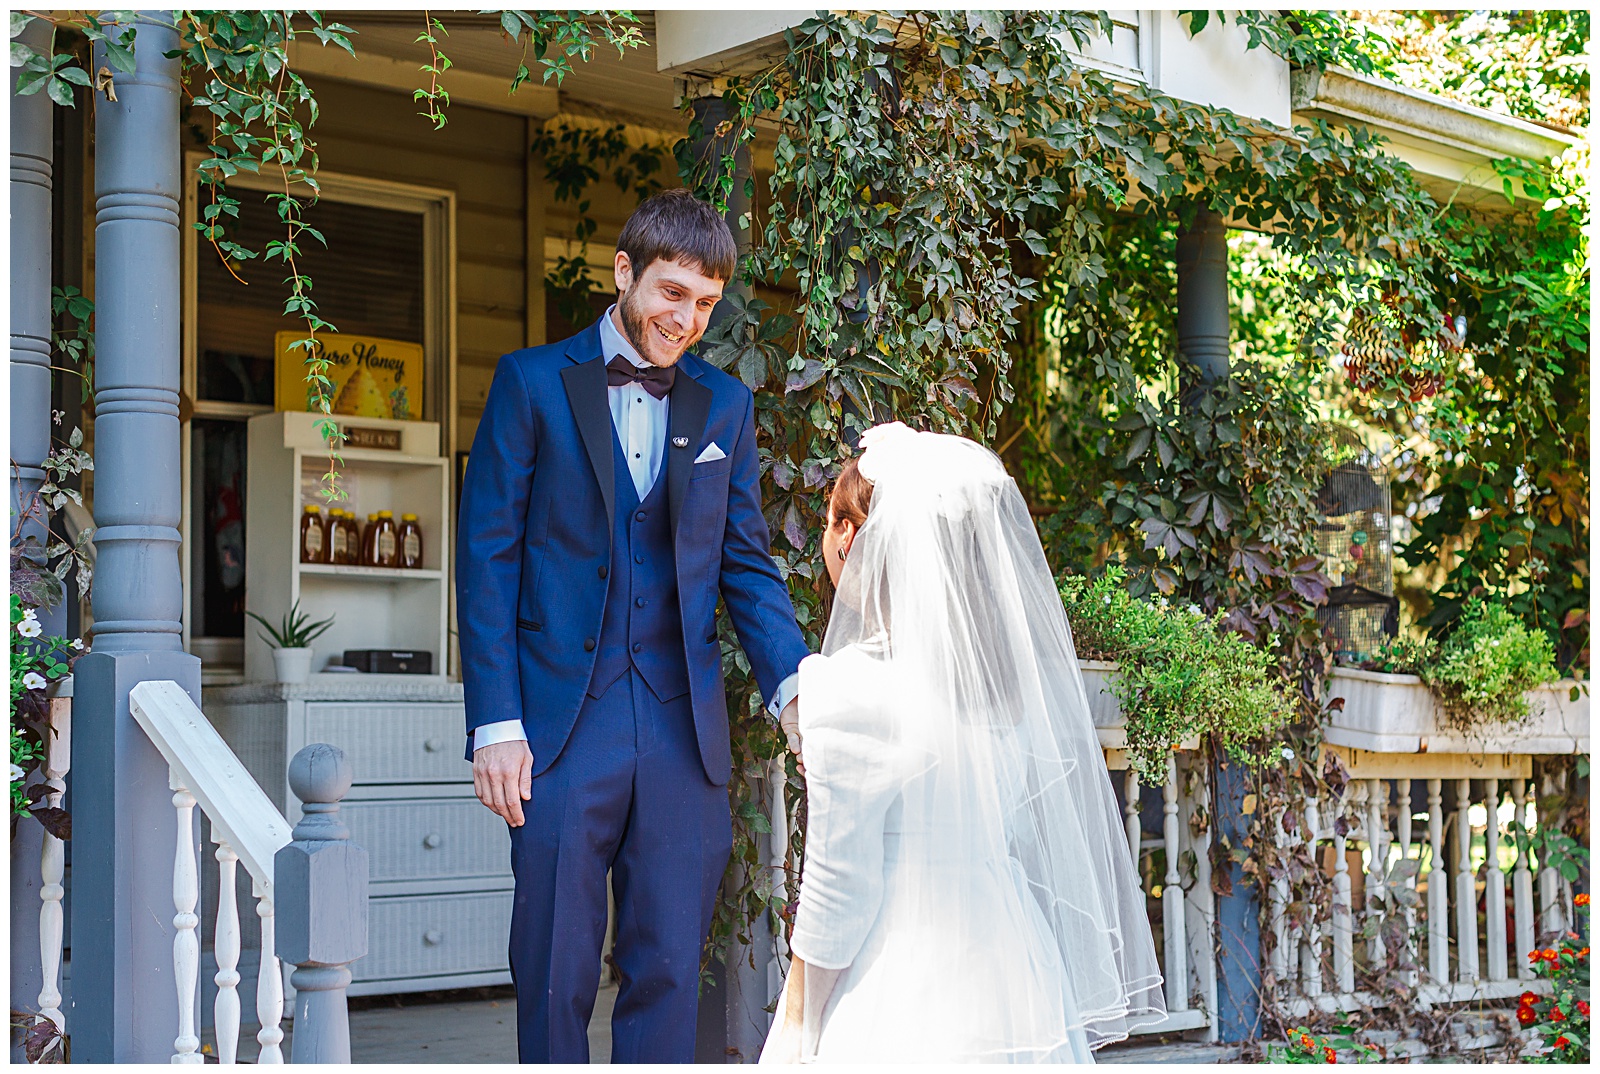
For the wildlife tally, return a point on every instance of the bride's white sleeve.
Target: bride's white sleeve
(852, 779)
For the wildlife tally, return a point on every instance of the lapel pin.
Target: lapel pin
(680, 441)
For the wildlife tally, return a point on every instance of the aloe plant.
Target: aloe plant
(295, 632)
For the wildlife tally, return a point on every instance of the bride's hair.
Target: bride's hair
(852, 495)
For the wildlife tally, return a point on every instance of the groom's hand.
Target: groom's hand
(502, 776)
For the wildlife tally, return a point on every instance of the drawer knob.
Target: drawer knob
(433, 745)
(432, 840)
(433, 937)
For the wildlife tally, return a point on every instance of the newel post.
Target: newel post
(320, 881)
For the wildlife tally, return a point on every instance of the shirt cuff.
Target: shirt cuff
(787, 689)
(499, 731)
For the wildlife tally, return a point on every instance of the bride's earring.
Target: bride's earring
(843, 552)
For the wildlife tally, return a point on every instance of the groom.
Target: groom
(611, 496)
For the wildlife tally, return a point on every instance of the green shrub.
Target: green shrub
(1483, 669)
(1180, 675)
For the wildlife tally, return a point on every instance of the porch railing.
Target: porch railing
(324, 906)
(1454, 819)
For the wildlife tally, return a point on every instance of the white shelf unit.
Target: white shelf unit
(373, 607)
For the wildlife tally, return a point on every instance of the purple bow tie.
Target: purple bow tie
(655, 379)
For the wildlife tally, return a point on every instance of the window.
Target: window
(381, 273)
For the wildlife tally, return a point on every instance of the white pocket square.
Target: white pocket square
(711, 454)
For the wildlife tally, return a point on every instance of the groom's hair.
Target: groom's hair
(674, 225)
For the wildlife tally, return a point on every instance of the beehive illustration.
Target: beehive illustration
(361, 396)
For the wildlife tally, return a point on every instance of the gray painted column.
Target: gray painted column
(31, 173)
(710, 111)
(125, 999)
(320, 896)
(1203, 296)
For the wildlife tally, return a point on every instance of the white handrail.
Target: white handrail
(231, 799)
(246, 827)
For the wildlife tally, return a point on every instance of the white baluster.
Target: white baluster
(1494, 900)
(1552, 910)
(1202, 915)
(1438, 889)
(1344, 968)
(52, 863)
(269, 984)
(226, 943)
(1466, 890)
(1311, 950)
(1522, 884)
(1403, 834)
(1377, 863)
(1130, 812)
(1176, 968)
(185, 941)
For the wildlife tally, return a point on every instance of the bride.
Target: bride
(967, 893)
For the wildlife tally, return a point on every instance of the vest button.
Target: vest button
(641, 602)
(588, 645)
(637, 647)
(604, 571)
(638, 558)
(639, 517)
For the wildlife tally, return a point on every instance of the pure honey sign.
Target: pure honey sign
(372, 377)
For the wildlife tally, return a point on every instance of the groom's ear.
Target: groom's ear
(622, 270)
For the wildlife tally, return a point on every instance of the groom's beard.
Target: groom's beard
(637, 329)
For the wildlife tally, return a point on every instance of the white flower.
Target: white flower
(17, 773)
(34, 681)
(1494, 644)
(1108, 600)
(30, 627)
(77, 643)
(1288, 754)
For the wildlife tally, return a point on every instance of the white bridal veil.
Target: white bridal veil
(1016, 894)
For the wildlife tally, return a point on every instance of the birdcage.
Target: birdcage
(1357, 549)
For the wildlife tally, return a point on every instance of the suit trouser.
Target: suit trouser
(628, 794)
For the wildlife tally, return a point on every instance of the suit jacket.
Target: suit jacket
(536, 525)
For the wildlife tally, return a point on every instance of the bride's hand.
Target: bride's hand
(789, 724)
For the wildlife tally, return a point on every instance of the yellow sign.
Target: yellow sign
(372, 377)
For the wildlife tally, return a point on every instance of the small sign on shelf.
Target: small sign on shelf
(359, 436)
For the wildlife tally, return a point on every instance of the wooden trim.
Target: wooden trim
(387, 72)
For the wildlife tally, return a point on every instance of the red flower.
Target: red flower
(1556, 1015)
(1582, 900)
(1527, 1015)
(1534, 956)
(1583, 952)
(1583, 1007)
(1328, 1056)
(1548, 954)
(1530, 997)
(1561, 1042)
(1305, 1042)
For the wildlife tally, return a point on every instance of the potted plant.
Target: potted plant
(1490, 687)
(291, 642)
(1164, 676)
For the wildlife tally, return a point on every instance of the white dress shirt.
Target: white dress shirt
(640, 421)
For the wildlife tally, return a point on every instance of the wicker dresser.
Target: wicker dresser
(440, 907)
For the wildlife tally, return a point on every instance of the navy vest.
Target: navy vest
(643, 626)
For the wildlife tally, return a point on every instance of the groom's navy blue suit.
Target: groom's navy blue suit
(591, 616)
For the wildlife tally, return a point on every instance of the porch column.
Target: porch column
(31, 171)
(711, 110)
(1202, 264)
(1238, 1014)
(126, 1003)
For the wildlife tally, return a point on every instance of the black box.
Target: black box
(390, 661)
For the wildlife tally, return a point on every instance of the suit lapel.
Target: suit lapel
(586, 393)
(691, 406)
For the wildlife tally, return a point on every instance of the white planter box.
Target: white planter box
(1104, 709)
(1399, 714)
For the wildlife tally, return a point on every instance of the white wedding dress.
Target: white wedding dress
(964, 873)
